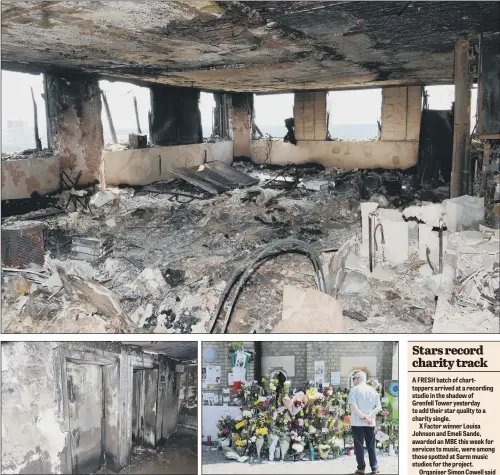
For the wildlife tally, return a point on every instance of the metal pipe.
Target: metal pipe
(375, 235)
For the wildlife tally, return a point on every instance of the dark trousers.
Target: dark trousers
(365, 435)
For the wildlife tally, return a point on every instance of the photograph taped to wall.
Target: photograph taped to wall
(335, 378)
(212, 376)
(319, 374)
(99, 407)
(297, 417)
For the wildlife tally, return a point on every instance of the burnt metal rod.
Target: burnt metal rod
(110, 119)
(428, 256)
(149, 127)
(38, 142)
(137, 116)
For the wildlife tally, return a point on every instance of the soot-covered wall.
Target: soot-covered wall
(39, 413)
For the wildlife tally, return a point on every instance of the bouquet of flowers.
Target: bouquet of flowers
(241, 446)
(225, 426)
(250, 393)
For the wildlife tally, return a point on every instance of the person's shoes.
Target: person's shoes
(359, 471)
(375, 471)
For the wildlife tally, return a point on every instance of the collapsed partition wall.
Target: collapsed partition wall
(74, 407)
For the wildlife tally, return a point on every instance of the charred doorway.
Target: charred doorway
(86, 415)
(90, 391)
(144, 407)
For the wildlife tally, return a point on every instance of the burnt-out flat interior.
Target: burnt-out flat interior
(246, 46)
(92, 420)
(174, 232)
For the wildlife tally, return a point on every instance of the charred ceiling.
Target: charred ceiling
(246, 46)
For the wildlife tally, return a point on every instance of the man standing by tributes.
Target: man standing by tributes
(365, 404)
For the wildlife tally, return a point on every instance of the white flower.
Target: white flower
(312, 430)
(247, 414)
(253, 439)
(298, 448)
(336, 442)
(287, 383)
(272, 387)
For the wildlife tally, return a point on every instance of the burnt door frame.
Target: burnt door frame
(82, 357)
(143, 363)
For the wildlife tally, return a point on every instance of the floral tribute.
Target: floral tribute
(280, 422)
(225, 426)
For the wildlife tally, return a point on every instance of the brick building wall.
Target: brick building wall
(332, 353)
(378, 357)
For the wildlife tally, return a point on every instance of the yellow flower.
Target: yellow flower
(301, 413)
(241, 424)
(241, 443)
(261, 431)
(307, 424)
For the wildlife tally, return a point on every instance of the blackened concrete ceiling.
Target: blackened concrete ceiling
(246, 46)
(181, 350)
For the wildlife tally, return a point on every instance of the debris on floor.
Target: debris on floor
(179, 455)
(173, 257)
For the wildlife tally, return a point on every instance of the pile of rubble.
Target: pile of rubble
(421, 256)
(158, 259)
